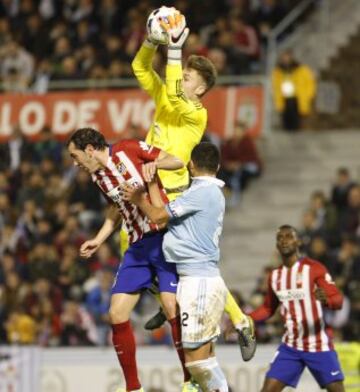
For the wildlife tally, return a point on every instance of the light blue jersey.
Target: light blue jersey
(196, 221)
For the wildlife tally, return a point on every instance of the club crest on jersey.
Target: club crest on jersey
(122, 168)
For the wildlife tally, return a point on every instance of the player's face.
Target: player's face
(192, 84)
(287, 242)
(83, 159)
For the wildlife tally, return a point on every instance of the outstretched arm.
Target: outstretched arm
(149, 80)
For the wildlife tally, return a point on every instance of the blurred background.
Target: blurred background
(285, 116)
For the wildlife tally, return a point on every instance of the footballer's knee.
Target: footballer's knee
(272, 385)
(118, 315)
(121, 307)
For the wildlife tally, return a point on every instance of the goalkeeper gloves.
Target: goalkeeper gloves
(175, 27)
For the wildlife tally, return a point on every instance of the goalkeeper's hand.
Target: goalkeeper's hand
(175, 27)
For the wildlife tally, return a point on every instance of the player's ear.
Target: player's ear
(89, 150)
(191, 166)
(200, 90)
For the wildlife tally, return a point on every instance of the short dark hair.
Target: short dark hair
(289, 227)
(205, 68)
(206, 156)
(84, 136)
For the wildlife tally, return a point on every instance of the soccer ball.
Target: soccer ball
(154, 30)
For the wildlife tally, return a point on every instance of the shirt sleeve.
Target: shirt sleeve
(149, 80)
(267, 309)
(324, 280)
(140, 149)
(188, 203)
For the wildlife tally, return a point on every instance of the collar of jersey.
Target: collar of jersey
(214, 180)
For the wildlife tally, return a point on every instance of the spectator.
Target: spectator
(341, 188)
(47, 147)
(309, 230)
(219, 59)
(16, 66)
(98, 303)
(294, 89)
(20, 327)
(266, 16)
(193, 45)
(245, 37)
(78, 328)
(15, 150)
(240, 161)
(349, 220)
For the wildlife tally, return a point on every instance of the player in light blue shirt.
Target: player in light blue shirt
(194, 221)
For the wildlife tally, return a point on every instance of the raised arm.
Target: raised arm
(149, 80)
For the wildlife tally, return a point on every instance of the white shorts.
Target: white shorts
(201, 301)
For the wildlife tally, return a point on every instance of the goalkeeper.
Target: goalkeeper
(179, 124)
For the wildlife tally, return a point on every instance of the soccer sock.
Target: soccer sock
(237, 317)
(176, 335)
(208, 375)
(124, 344)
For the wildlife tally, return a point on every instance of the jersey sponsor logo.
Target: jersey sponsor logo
(172, 284)
(291, 295)
(335, 373)
(115, 195)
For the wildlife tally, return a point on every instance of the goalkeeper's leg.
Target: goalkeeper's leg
(244, 326)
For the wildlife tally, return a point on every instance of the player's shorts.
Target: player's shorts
(289, 363)
(142, 262)
(201, 301)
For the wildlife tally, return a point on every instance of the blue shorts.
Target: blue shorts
(143, 262)
(289, 363)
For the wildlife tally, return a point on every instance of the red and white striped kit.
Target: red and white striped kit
(124, 165)
(293, 289)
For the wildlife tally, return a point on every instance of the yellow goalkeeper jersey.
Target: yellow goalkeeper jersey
(178, 124)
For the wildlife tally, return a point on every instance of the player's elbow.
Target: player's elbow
(160, 219)
(135, 65)
(336, 302)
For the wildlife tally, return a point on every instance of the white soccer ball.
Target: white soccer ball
(154, 30)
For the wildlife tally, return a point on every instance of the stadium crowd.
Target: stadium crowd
(49, 296)
(48, 40)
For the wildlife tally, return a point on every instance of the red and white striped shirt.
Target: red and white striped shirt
(293, 288)
(124, 165)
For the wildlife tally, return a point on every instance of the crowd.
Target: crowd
(49, 296)
(47, 40)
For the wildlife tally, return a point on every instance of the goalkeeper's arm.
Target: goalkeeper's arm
(144, 72)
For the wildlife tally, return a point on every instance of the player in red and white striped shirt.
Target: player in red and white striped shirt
(302, 287)
(130, 161)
